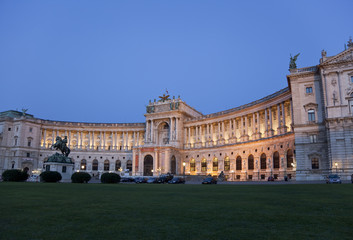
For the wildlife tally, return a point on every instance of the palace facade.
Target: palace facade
(303, 132)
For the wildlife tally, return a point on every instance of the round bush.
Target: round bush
(50, 176)
(110, 178)
(14, 175)
(80, 177)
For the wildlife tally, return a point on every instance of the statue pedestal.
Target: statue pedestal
(59, 163)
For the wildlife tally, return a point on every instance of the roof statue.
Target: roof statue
(350, 43)
(292, 63)
(164, 97)
(24, 111)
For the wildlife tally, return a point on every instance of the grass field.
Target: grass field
(129, 211)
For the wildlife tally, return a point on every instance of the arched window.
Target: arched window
(263, 161)
(315, 163)
(12, 164)
(289, 158)
(226, 164)
(129, 165)
(215, 164)
(238, 163)
(95, 165)
(117, 165)
(251, 162)
(311, 115)
(203, 165)
(275, 160)
(192, 165)
(83, 165)
(106, 165)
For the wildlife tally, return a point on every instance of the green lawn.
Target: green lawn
(129, 211)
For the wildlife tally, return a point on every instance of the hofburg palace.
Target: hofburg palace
(302, 132)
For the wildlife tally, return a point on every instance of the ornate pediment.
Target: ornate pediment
(310, 106)
(344, 56)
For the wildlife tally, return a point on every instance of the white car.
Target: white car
(33, 178)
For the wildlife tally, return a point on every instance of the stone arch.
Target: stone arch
(117, 165)
(290, 158)
(163, 133)
(263, 161)
(251, 162)
(106, 165)
(95, 165)
(238, 163)
(276, 162)
(148, 165)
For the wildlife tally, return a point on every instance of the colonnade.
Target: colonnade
(273, 120)
(94, 140)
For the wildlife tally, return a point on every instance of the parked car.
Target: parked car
(127, 179)
(165, 178)
(140, 180)
(209, 180)
(177, 180)
(33, 178)
(152, 180)
(271, 179)
(333, 178)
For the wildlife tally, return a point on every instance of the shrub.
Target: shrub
(50, 176)
(80, 177)
(14, 175)
(110, 178)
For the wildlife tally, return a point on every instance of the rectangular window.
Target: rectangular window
(29, 143)
(351, 79)
(309, 90)
(64, 169)
(315, 163)
(47, 168)
(313, 138)
(311, 116)
(28, 154)
(30, 129)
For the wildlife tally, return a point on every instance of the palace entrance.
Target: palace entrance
(148, 166)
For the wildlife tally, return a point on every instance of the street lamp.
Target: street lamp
(336, 164)
(184, 169)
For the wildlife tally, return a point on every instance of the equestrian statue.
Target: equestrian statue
(60, 144)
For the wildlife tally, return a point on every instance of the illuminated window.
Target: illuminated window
(83, 164)
(192, 165)
(215, 164)
(226, 164)
(203, 165)
(315, 163)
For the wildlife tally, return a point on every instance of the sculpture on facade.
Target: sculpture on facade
(61, 144)
(292, 63)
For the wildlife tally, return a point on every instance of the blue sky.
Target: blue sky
(102, 61)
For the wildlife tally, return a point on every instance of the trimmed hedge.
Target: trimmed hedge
(50, 176)
(80, 177)
(14, 175)
(110, 178)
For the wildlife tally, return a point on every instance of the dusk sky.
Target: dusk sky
(102, 61)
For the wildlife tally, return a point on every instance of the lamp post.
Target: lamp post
(152, 172)
(184, 169)
(336, 164)
(232, 175)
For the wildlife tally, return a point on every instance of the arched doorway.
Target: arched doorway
(173, 165)
(148, 166)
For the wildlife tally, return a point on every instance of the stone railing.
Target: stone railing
(302, 70)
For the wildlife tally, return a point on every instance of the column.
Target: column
(138, 139)
(279, 116)
(283, 115)
(242, 126)
(207, 132)
(258, 122)
(176, 128)
(152, 135)
(147, 132)
(53, 137)
(69, 139)
(189, 139)
(211, 131)
(223, 130)
(246, 125)
(253, 124)
(266, 121)
(170, 129)
(45, 138)
(270, 115)
(93, 141)
(185, 136)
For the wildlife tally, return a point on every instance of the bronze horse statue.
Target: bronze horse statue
(60, 144)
